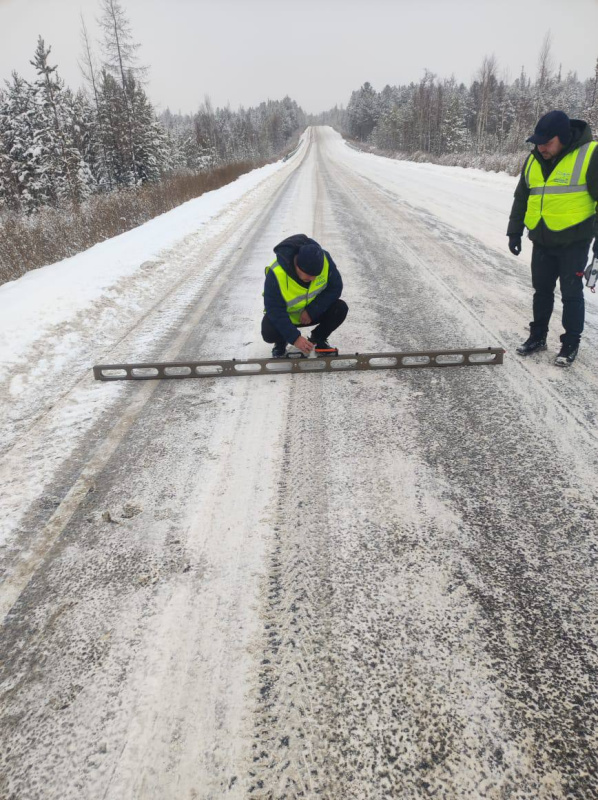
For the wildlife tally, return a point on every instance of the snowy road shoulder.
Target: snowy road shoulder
(54, 295)
(61, 319)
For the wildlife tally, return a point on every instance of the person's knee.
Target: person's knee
(543, 287)
(342, 309)
(572, 298)
(572, 289)
(269, 332)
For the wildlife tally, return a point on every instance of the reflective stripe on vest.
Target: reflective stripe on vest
(563, 200)
(297, 297)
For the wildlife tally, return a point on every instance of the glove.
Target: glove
(515, 245)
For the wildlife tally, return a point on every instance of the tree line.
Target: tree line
(492, 115)
(60, 147)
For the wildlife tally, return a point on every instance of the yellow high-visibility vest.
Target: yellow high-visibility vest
(563, 200)
(297, 297)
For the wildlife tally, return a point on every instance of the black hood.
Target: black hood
(582, 133)
(288, 249)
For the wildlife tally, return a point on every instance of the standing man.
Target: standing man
(556, 200)
(302, 288)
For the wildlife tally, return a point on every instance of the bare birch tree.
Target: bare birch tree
(545, 72)
(487, 81)
(88, 69)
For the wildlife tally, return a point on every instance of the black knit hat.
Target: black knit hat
(555, 123)
(310, 259)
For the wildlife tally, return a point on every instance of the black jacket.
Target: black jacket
(274, 303)
(541, 234)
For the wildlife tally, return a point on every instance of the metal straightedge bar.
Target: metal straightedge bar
(274, 366)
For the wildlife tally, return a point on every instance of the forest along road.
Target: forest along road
(354, 585)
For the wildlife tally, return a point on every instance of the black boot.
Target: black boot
(567, 355)
(532, 345)
(279, 350)
(323, 346)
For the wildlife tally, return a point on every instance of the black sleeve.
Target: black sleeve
(592, 184)
(276, 309)
(332, 292)
(516, 226)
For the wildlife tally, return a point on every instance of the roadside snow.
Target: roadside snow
(54, 294)
(472, 200)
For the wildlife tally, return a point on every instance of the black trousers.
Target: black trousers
(329, 321)
(567, 264)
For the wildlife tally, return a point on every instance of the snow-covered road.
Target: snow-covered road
(354, 585)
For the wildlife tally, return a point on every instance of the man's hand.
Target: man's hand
(304, 345)
(515, 245)
(304, 318)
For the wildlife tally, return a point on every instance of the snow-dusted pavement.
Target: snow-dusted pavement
(358, 585)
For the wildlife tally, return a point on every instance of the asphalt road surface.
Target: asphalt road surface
(354, 585)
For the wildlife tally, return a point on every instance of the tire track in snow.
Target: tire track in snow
(287, 758)
(529, 570)
(21, 473)
(447, 574)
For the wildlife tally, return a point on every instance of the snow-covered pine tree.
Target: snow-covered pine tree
(16, 139)
(115, 131)
(150, 142)
(386, 134)
(454, 137)
(6, 187)
(204, 122)
(186, 155)
(80, 121)
(120, 61)
(363, 112)
(60, 172)
(173, 128)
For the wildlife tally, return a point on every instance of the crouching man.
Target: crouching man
(302, 289)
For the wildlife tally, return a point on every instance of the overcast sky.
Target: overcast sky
(317, 51)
